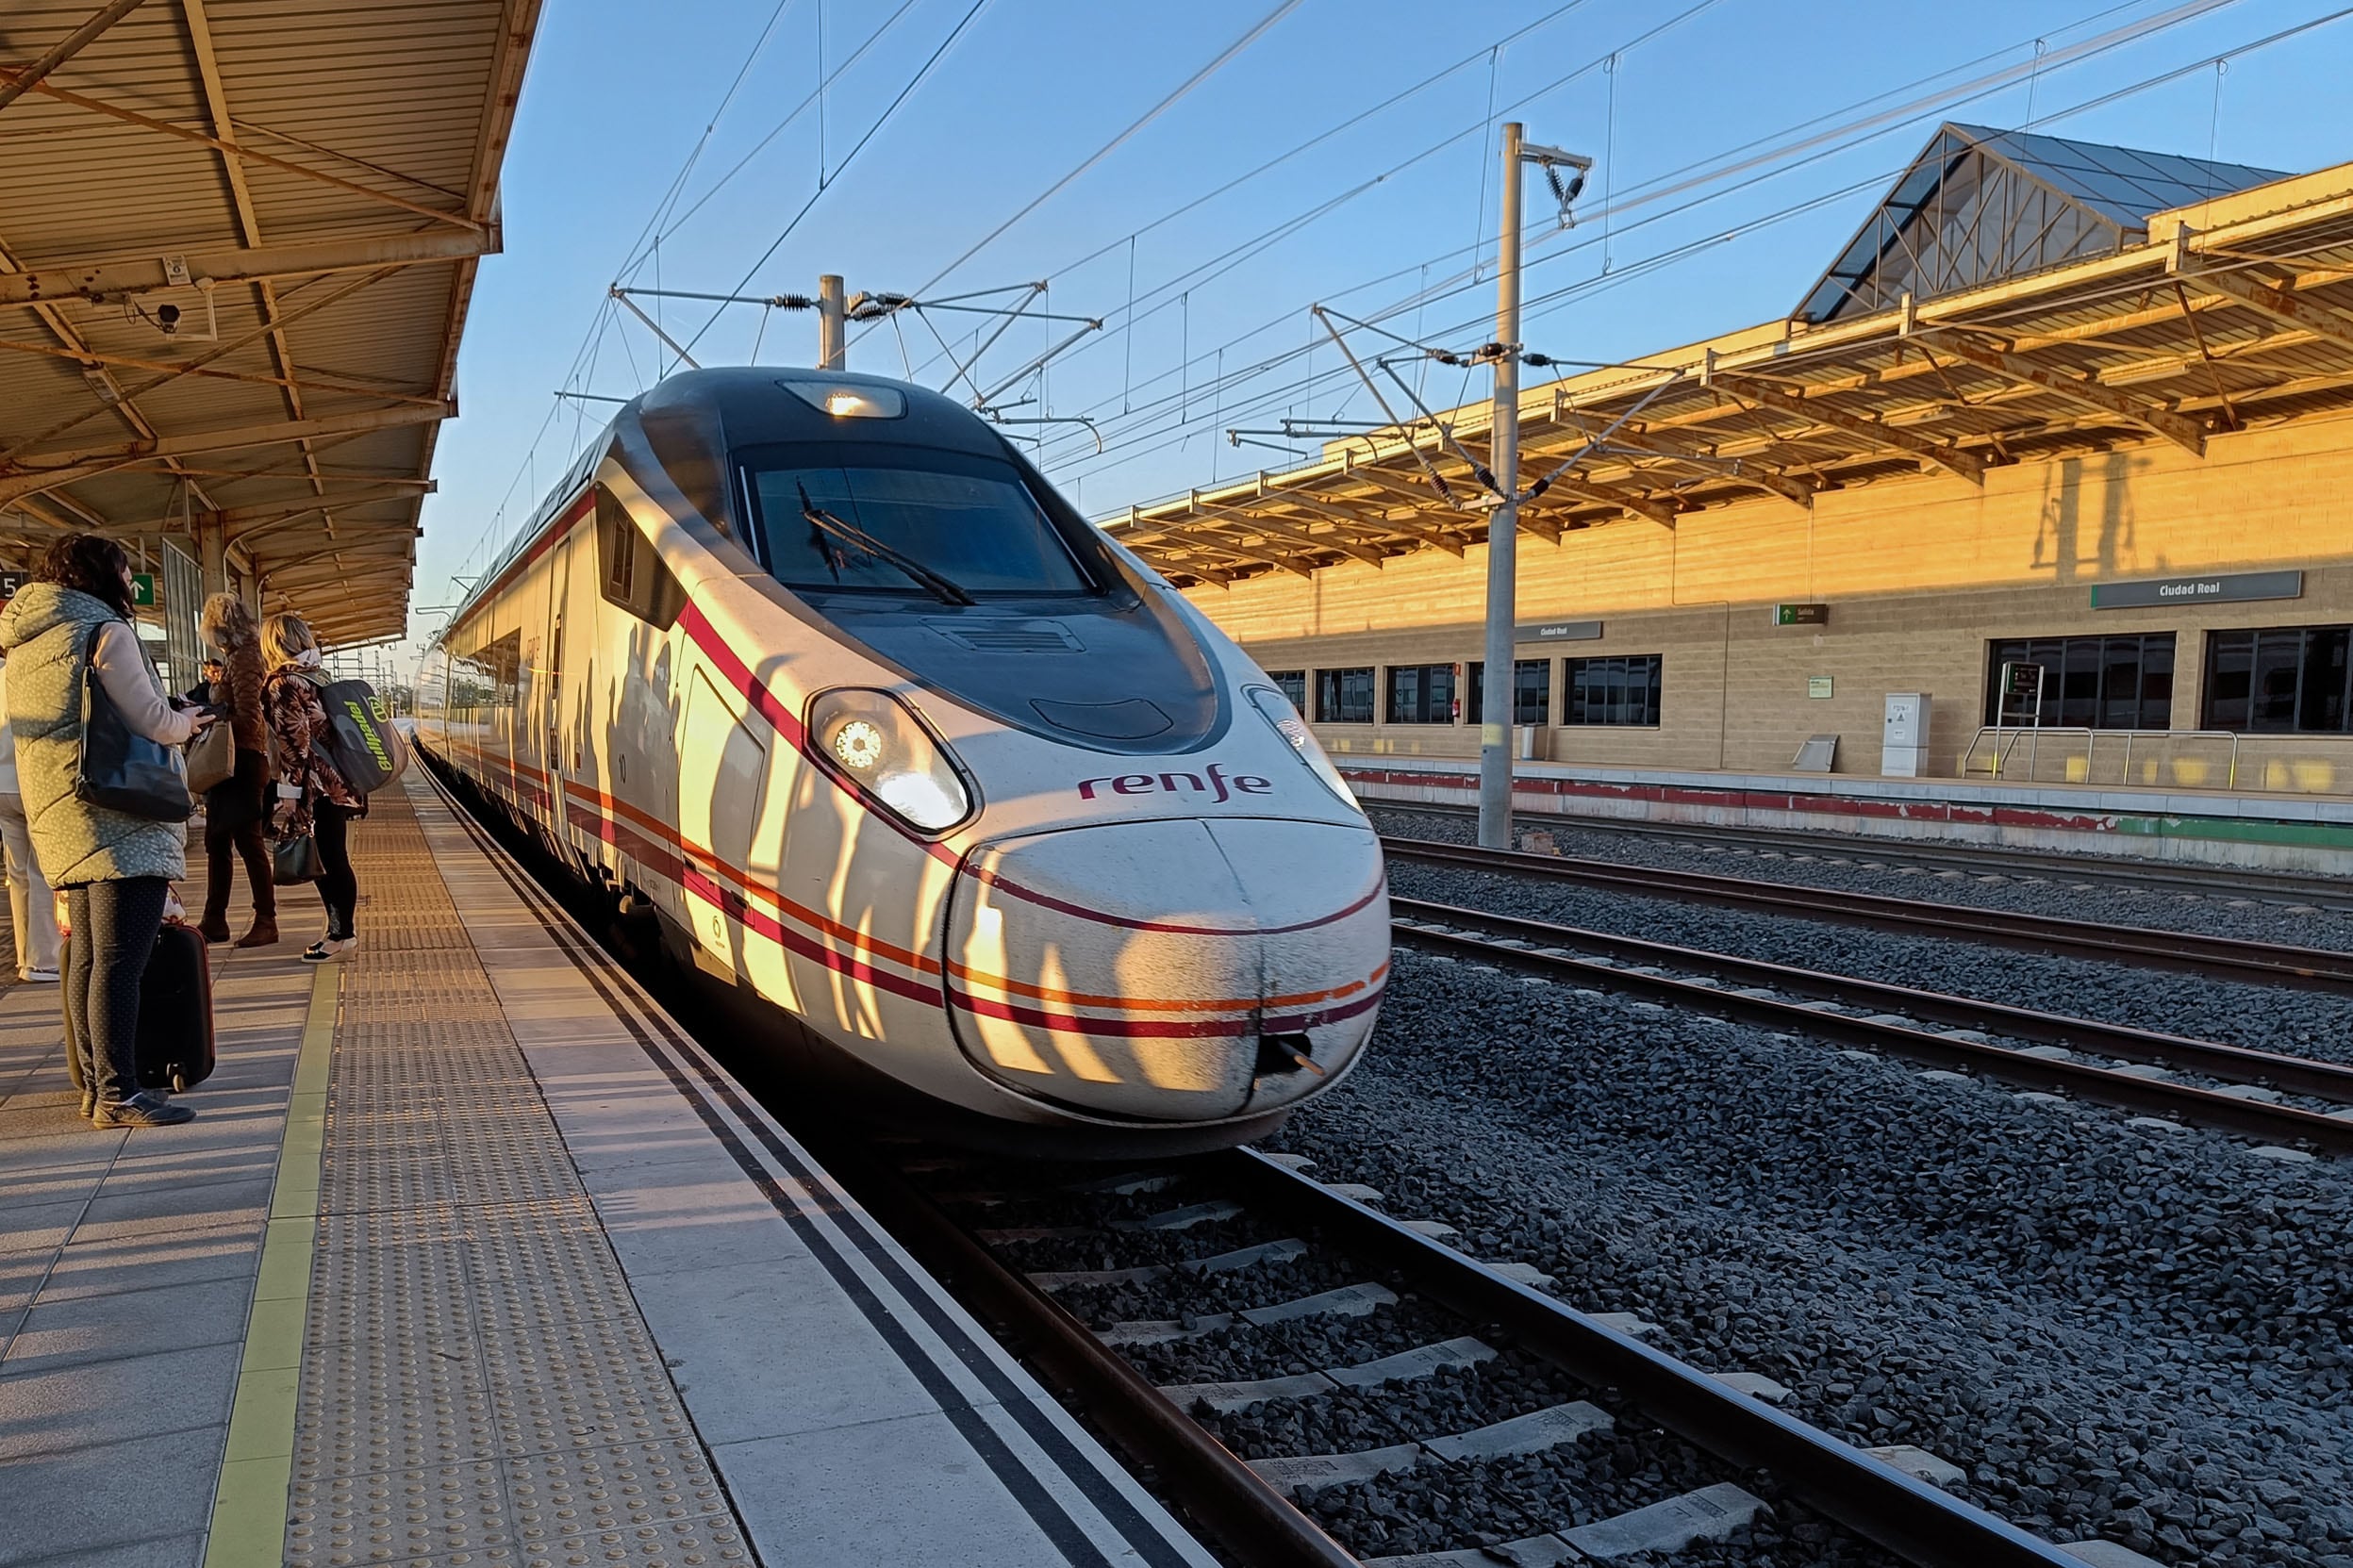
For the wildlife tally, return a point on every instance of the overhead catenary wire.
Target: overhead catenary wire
(1819, 146)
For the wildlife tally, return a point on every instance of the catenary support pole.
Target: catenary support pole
(832, 323)
(1494, 689)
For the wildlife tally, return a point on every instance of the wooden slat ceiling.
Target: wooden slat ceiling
(311, 186)
(2235, 314)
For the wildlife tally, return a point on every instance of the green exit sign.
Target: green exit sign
(144, 589)
(1801, 614)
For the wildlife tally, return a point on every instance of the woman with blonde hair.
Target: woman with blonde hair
(234, 807)
(318, 800)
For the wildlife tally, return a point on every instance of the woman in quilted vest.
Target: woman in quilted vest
(318, 801)
(115, 867)
(234, 807)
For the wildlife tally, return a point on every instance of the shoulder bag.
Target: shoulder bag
(294, 861)
(211, 757)
(120, 768)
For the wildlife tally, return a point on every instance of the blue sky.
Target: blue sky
(1389, 215)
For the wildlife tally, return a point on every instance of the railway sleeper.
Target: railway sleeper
(1711, 1513)
(1532, 1433)
(1421, 1362)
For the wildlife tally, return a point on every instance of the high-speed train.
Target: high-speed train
(991, 828)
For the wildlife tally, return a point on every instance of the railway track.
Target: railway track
(1251, 1506)
(1899, 1027)
(2213, 957)
(2280, 887)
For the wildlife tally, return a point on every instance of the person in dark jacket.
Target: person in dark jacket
(314, 797)
(234, 808)
(115, 867)
(208, 676)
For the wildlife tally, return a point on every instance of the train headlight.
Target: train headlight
(1276, 709)
(875, 741)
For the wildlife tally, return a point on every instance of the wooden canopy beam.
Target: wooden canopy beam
(1950, 458)
(2278, 303)
(1737, 468)
(2081, 390)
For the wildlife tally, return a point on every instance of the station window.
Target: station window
(1532, 692)
(2112, 683)
(1620, 689)
(1343, 696)
(2281, 680)
(1293, 684)
(1421, 694)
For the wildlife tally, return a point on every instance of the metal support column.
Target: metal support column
(212, 552)
(832, 323)
(1494, 689)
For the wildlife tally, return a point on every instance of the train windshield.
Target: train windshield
(904, 520)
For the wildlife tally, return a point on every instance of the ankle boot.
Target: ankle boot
(214, 927)
(265, 932)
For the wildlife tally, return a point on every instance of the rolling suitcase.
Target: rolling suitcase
(176, 1011)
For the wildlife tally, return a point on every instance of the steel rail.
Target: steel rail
(2332, 893)
(2302, 1074)
(2214, 957)
(1249, 1517)
(1921, 1522)
(2101, 1085)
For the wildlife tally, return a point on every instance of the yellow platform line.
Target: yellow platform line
(257, 1467)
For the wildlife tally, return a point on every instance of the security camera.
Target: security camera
(168, 319)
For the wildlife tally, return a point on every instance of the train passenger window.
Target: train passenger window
(630, 569)
(1343, 696)
(1421, 694)
(901, 520)
(1293, 684)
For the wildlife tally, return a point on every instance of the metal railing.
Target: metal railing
(1994, 753)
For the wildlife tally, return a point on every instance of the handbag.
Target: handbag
(120, 768)
(211, 758)
(293, 861)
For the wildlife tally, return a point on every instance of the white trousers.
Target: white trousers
(31, 911)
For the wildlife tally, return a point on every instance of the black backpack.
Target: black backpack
(359, 739)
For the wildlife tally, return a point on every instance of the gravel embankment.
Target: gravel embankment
(2302, 1023)
(2106, 904)
(2118, 1333)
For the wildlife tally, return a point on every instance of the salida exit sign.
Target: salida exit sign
(1801, 614)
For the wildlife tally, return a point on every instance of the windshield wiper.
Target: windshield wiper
(823, 522)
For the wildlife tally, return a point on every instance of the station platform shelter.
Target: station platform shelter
(2053, 455)
(472, 1257)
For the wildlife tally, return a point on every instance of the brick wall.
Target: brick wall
(1919, 572)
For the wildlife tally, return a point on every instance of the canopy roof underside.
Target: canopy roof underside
(2231, 313)
(237, 239)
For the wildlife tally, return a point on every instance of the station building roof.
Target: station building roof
(236, 246)
(2014, 298)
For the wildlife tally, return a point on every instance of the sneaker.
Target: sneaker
(328, 947)
(90, 1103)
(39, 977)
(146, 1108)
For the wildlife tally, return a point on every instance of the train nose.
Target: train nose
(1172, 971)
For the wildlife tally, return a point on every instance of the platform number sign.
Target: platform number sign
(9, 583)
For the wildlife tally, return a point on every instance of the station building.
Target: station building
(2075, 412)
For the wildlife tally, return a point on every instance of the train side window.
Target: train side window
(630, 570)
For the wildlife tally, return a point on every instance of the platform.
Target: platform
(2269, 832)
(472, 1257)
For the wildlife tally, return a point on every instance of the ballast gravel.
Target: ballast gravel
(2266, 917)
(2267, 1017)
(2115, 1332)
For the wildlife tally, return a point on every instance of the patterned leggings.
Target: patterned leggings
(105, 959)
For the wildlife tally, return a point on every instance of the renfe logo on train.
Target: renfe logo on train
(1218, 786)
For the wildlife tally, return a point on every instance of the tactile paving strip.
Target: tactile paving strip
(477, 1385)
